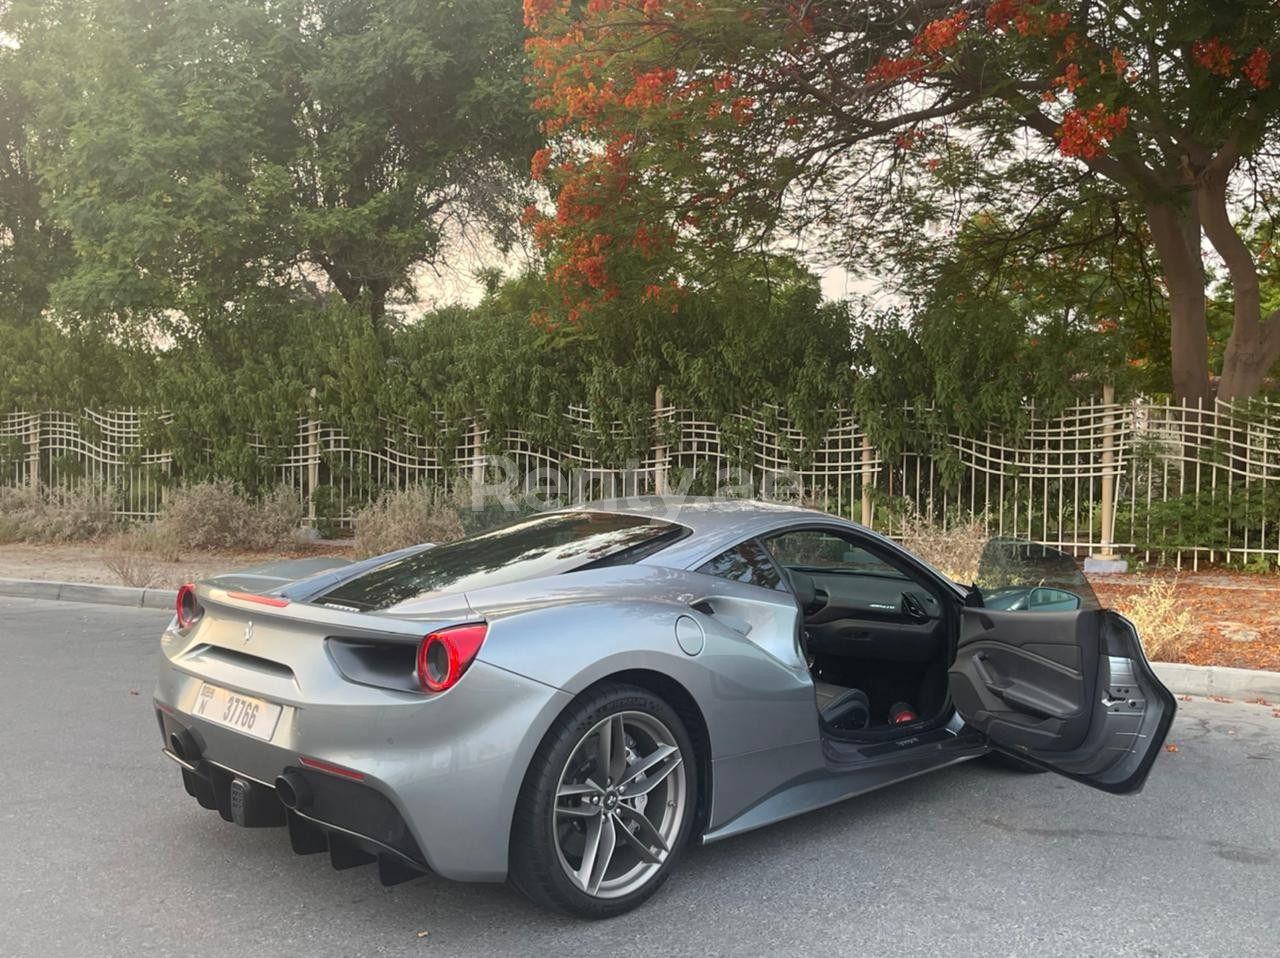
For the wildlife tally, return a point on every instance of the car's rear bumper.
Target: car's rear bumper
(432, 780)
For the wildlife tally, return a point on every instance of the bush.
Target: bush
(954, 551)
(149, 539)
(215, 515)
(132, 569)
(1207, 518)
(59, 514)
(1163, 626)
(13, 503)
(406, 517)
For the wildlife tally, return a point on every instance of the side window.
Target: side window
(747, 562)
(814, 550)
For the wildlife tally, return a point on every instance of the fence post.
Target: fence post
(312, 447)
(313, 467)
(1105, 551)
(33, 451)
(660, 451)
(866, 481)
(477, 459)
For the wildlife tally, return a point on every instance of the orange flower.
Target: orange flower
(541, 160)
(1214, 55)
(941, 34)
(1085, 135)
(890, 69)
(1257, 69)
(1072, 78)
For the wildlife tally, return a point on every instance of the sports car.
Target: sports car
(569, 701)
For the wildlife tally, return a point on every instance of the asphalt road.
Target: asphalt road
(104, 854)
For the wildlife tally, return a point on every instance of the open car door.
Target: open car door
(1071, 690)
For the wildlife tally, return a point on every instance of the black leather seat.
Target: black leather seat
(842, 707)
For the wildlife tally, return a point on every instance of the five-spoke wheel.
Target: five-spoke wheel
(619, 804)
(607, 804)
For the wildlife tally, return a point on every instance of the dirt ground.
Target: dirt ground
(1236, 616)
(93, 562)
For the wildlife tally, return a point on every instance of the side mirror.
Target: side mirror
(1043, 599)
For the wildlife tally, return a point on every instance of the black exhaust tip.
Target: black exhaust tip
(293, 790)
(184, 745)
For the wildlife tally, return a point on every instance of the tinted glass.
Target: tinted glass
(1019, 575)
(541, 546)
(813, 550)
(744, 563)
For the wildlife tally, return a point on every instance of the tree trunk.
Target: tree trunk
(1176, 232)
(370, 294)
(1254, 344)
(376, 300)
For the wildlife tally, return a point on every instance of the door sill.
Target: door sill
(944, 739)
(931, 737)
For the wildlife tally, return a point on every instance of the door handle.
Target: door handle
(984, 674)
(733, 622)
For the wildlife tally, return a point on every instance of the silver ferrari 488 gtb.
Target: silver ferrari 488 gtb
(567, 702)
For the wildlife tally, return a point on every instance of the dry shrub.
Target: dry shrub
(406, 517)
(150, 539)
(10, 525)
(57, 514)
(133, 569)
(954, 551)
(215, 515)
(1163, 626)
(133, 556)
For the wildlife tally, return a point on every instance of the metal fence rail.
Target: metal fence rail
(1147, 478)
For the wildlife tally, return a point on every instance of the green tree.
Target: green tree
(719, 125)
(208, 149)
(34, 250)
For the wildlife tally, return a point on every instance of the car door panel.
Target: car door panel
(1032, 685)
(1070, 691)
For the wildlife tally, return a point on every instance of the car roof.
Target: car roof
(719, 524)
(702, 514)
(715, 524)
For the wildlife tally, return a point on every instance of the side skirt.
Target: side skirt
(835, 785)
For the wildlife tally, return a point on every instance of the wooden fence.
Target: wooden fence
(1146, 478)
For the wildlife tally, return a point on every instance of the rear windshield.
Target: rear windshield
(541, 546)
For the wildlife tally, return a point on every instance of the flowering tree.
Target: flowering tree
(682, 130)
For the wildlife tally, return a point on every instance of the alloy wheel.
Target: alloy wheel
(620, 803)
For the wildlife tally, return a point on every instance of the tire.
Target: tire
(1013, 763)
(563, 810)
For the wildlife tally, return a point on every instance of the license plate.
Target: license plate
(243, 713)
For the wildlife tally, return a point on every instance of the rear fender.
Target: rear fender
(749, 699)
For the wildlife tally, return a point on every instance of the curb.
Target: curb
(90, 592)
(1211, 680)
(1181, 679)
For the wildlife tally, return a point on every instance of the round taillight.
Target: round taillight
(444, 656)
(188, 606)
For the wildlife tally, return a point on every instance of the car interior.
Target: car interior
(877, 640)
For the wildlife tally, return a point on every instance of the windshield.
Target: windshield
(541, 546)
